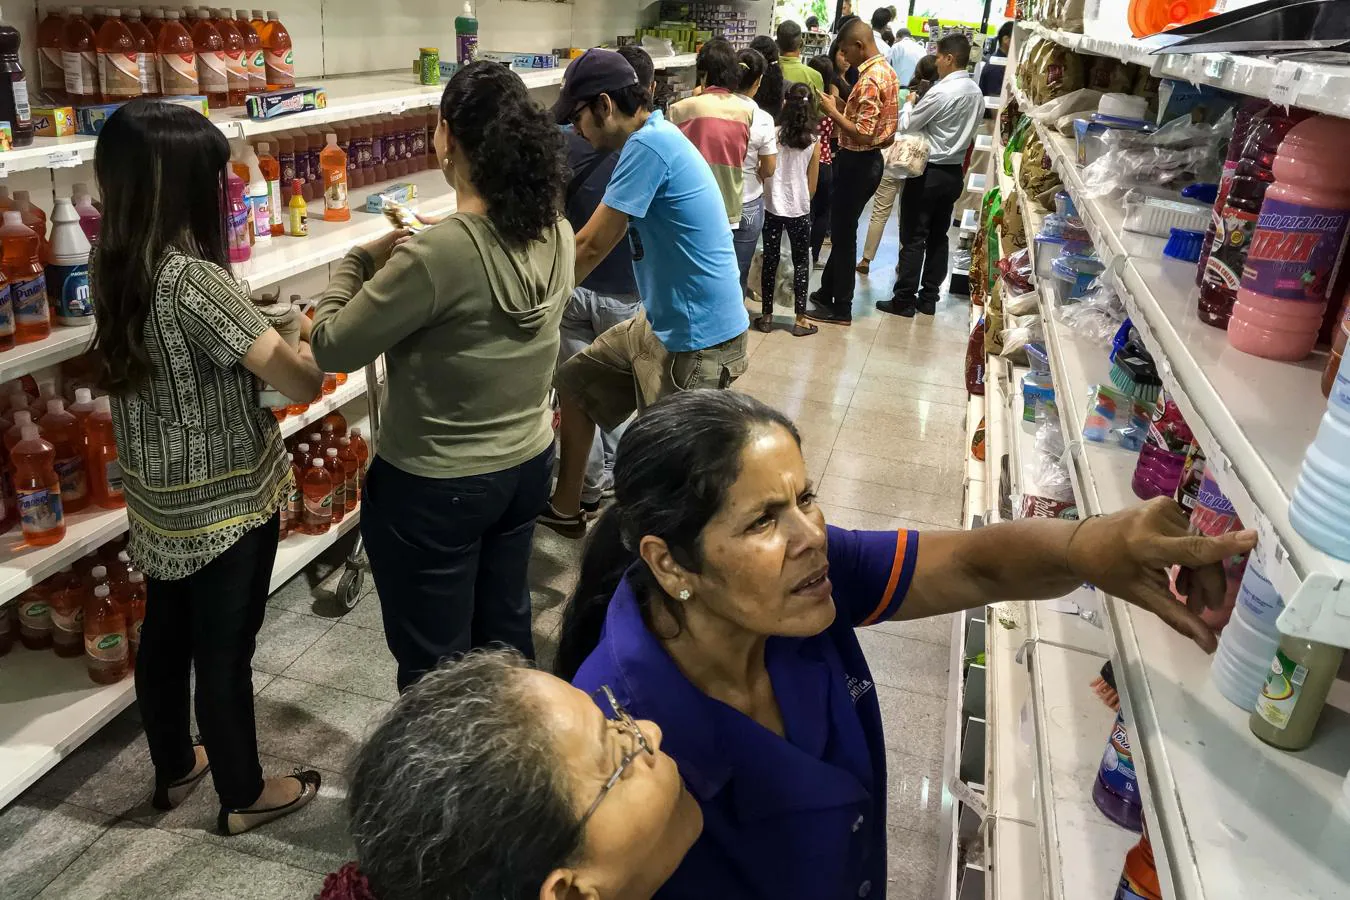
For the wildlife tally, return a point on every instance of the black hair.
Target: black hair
(824, 64)
(812, 22)
(799, 122)
(887, 35)
(641, 62)
(881, 17)
(769, 97)
(717, 65)
(958, 46)
(1005, 30)
(674, 467)
(847, 26)
(517, 160)
(753, 65)
(161, 171)
(925, 75)
(458, 793)
(788, 37)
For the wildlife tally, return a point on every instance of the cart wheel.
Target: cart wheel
(349, 588)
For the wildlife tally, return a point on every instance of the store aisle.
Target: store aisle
(881, 410)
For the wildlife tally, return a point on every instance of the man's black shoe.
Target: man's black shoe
(829, 314)
(928, 307)
(896, 308)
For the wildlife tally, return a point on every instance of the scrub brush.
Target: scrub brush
(1134, 373)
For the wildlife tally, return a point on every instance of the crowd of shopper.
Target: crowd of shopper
(720, 736)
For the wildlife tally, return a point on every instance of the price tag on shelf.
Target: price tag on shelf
(63, 159)
(1286, 83)
(1214, 66)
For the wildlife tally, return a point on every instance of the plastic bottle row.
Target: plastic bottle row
(44, 279)
(91, 610)
(328, 465)
(116, 54)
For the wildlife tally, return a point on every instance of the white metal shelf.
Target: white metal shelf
(63, 343)
(345, 393)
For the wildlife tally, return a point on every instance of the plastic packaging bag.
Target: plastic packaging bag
(1081, 100)
(1097, 316)
(658, 47)
(1021, 304)
(1021, 331)
(1178, 154)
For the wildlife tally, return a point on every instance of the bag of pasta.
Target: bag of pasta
(1033, 154)
(1110, 76)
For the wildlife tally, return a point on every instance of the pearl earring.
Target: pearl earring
(684, 594)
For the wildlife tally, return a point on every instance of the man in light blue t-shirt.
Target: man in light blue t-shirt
(691, 332)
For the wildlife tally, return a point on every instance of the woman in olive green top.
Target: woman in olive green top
(467, 316)
(202, 464)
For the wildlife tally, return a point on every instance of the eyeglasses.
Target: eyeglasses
(575, 118)
(629, 727)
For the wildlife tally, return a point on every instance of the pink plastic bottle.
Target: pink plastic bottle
(240, 249)
(1297, 248)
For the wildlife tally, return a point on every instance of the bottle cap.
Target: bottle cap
(264, 148)
(331, 139)
(98, 572)
(123, 556)
(331, 451)
(112, 12)
(297, 186)
(203, 14)
(56, 405)
(23, 418)
(172, 14)
(83, 395)
(272, 15)
(102, 591)
(316, 464)
(74, 10)
(135, 577)
(29, 432)
(315, 436)
(356, 432)
(303, 448)
(13, 217)
(103, 404)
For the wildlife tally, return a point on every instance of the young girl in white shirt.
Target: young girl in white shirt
(787, 205)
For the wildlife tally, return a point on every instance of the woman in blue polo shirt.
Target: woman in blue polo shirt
(714, 601)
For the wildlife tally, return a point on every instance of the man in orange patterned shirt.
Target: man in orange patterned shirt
(865, 125)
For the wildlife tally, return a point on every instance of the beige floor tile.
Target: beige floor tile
(905, 663)
(861, 520)
(943, 510)
(885, 387)
(789, 369)
(822, 388)
(804, 412)
(946, 372)
(941, 403)
(940, 423)
(910, 474)
(946, 457)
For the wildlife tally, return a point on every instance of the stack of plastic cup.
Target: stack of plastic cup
(1323, 493)
(1249, 639)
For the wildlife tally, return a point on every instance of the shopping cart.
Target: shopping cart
(353, 578)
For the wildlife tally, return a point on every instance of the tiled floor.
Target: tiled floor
(881, 410)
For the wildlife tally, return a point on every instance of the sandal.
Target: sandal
(168, 794)
(237, 821)
(804, 330)
(764, 324)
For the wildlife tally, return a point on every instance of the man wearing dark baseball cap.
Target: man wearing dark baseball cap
(691, 330)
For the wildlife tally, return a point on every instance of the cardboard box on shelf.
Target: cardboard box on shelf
(53, 121)
(274, 104)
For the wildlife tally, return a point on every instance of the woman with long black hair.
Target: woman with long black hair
(761, 156)
(769, 94)
(467, 316)
(203, 466)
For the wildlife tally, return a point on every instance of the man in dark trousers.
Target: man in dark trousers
(865, 125)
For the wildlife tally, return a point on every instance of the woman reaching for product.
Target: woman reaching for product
(491, 780)
(203, 466)
(467, 316)
(716, 602)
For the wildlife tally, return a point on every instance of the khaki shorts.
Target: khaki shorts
(626, 369)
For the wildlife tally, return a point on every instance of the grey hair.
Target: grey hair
(459, 794)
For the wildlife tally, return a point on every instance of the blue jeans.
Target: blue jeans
(746, 236)
(588, 315)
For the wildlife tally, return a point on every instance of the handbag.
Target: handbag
(908, 154)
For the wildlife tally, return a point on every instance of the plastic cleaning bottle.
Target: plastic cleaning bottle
(6, 314)
(147, 57)
(238, 220)
(67, 270)
(34, 218)
(270, 169)
(39, 489)
(286, 160)
(1317, 510)
(338, 475)
(28, 286)
(333, 164)
(236, 69)
(82, 407)
(14, 433)
(1139, 877)
(107, 649)
(212, 79)
(35, 619)
(1296, 249)
(351, 469)
(105, 470)
(119, 67)
(177, 58)
(466, 35)
(1116, 787)
(1242, 125)
(1295, 693)
(14, 106)
(1249, 640)
(62, 431)
(79, 58)
(318, 498)
(91, 220)
(51, 66)
(314, 144)
(278, 54)
(67, 605)
(254, 62)
(345, 140)
(259, 204)
(299, 218)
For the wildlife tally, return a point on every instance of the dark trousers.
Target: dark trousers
(856, 176)
(208, 620)
(925, 218)
(450, 558)
(820, 209)
(798, 231)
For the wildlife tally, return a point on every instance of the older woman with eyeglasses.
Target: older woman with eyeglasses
(489, 780)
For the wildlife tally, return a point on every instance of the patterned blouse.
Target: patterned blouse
(202, 461)
(826, 140)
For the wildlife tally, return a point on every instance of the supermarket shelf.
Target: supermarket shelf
(1011, 756)
(349, 97)
(283, 257)
(346, 393)
(1015, 863)
(299, 550)
(1197, 761)
(62, 344)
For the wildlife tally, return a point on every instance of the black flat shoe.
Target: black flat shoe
(828, 314)
(169, 794)
(896, 308)
(237, 821)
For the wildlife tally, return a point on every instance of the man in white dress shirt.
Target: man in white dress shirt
(949, 115)
(905, 54)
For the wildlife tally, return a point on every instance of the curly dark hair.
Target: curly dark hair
(799, 122)
(770, 95)
(517, 157)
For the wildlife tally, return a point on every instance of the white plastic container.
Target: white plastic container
(1123, 106)
(1156, 216)
(68, 271)
(1318, 508)
(1242, 660)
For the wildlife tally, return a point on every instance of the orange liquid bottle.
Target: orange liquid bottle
(107, 649)
(147, 57)
(333, 164)
(259, 23)
(338, 422)
(51, 64)
(82, 409)
(303, 457)
(35, 618)
(133, 607)
(254, 61)
(79, 58)
(14, 433)
(317, 444)
(212, 79)
(119, 66)
(105, 472)
(296, 500)
(177, 58)
(271, 172)
(62, 431)
(154, 21)
(351, 468)
(296, 409)
(339, 478)
(361, 448)
(236, 69)
(36, 219)
(318, 498)
(39, 490)
(22, 265)
(278, 54)
(97, 18)
(6, 315)
(329, 383)
(67, 602)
